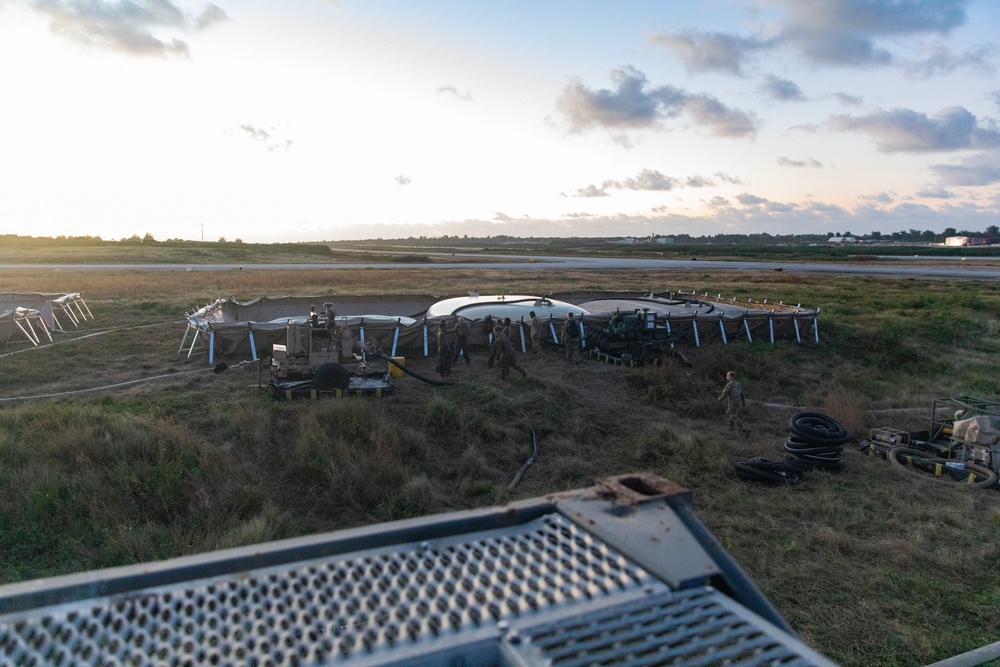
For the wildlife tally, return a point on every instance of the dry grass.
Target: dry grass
(868, 565)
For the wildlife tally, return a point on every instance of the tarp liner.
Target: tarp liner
(229, 323)
(20, 312)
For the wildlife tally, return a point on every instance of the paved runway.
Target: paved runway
(897, 267)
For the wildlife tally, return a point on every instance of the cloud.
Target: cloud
(879, 197)
(935, 193)
(718, 202)
(133, 27)
(844, 32)
(709, 51)
(647, 180)
(452, 90)
(699, 182)
(808, 162)
(403, 179)
(852, 33)
(731, 180)
(633, 104)
(722, 121)
(629, 105)
(848, 100)
(255, 133)
(974, 170)
(748, 199)
(908, 131)
(779, 207)
(942, 60)
(265, 137)
(766, 205)
(780, 89)
(589, 191)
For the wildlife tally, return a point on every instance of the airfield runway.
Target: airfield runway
(894, 267)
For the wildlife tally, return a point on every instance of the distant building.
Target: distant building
(956, 241)
(842, 239)
(628, 240)
(665, 239)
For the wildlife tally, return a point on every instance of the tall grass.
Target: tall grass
(868, 565)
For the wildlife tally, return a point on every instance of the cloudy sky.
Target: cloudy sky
(323, 120)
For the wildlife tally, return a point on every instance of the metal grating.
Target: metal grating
(695, 627)
(374, 607)
(619, 574)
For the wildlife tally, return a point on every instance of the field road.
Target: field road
(923, 267)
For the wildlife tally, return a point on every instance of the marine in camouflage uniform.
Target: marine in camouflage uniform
(736, 401)
(444, 351)
(462, 331)
(570, 337)
(535, 327)
(503, 352)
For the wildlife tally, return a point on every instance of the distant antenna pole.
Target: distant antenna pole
(203, 232)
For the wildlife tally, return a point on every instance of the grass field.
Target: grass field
(871, 566)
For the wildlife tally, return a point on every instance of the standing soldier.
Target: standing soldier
(462, 331)
(507, 327)
(571, 338)
(733, 392)
(494, 348)
(535, 327)
(331, 319)
(444, 351)
(503, 352)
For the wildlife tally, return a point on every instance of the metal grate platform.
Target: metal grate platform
(533, 588)
(694, 627)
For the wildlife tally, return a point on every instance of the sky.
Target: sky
(311, 120)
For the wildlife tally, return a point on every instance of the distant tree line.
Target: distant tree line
(991, 235)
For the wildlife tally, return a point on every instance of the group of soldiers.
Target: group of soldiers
(455, 346)
(452, 345)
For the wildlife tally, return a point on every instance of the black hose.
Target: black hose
(436, 383)
(760, 469)
(527, 464)
(905, 457)
(818, 428)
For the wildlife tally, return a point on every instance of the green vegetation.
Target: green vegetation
(871, 566)
(765, 247)
(89, 250)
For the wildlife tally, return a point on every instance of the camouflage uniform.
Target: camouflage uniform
(535, 327)
(503, 351)
(462, 331)
(736, 401)
(571, 339)
(444, 351)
